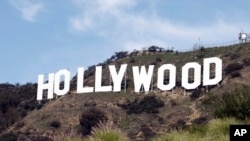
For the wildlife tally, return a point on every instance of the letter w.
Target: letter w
(142, 77)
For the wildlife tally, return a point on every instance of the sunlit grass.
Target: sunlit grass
(107, 132)
(215, 130)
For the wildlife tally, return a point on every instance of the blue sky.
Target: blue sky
(43, 36)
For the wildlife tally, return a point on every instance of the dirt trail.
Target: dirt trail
(194, 115)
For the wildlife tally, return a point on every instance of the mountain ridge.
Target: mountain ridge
(179, 110)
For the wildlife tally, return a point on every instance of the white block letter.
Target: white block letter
(206, 72)
(41, 86)
(98, 81)
(80, 79)
(117, 78)
(237, 132)
(197, 75)
(142, 77)
(243, 131)
(172, 77)
(66, 82)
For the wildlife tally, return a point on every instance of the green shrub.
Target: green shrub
(132, 60)
(23, 112)
(215, 130)
(219, 127)
(148, 104)
(90, 118)
(70, 135)
(235, 74)
(196, 94)
(197, 129)
(39, 106)
(178, 136)
(234, 56)
(55, 124)
(233, 67)
(111, 135)
(71, 139)
(9, 137)
(231, 104)
(246, 61)
(107, 133)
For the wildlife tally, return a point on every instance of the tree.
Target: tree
(121, 54)
(153, 48)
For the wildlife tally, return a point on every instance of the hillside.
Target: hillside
(139, 116)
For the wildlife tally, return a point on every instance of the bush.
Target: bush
(233, 67)
(232, 104)
(246, 61)
(121, 54)
(181, 123)
(215, 130)
(218, 127)
(108, 136)
(90, 118)
(69, 135)
(202, 49)
(132, 60)
(55, 124)
(39, 106)
(23, 112)
(178, 136)
(9, 137)
(200, 120)
(235, 74)
(158, 60)
(197, 129)
(148, 104)
(196, 94)
(234, 56)
(106, 133)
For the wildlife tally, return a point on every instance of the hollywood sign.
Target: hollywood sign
(141, 77)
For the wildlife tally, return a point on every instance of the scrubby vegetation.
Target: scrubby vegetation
(137, 116)
(148, 104)
(231, 104)
(233, 67)
(215, 130)
(196, 94)
(9, 137)
(246, 61)
(71, 135)
(55, 124)
(15, 101)
(91, 118)
(106, 132)
(234, 56)
(235, 74)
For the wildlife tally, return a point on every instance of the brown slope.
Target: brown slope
(179, 110)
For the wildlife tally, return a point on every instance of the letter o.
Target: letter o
(185, 74)
(66, 81)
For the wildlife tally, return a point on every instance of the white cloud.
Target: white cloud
(125, 24)
(81, 23)
(29, 10)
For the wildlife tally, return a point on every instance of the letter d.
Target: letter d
(206, 71)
